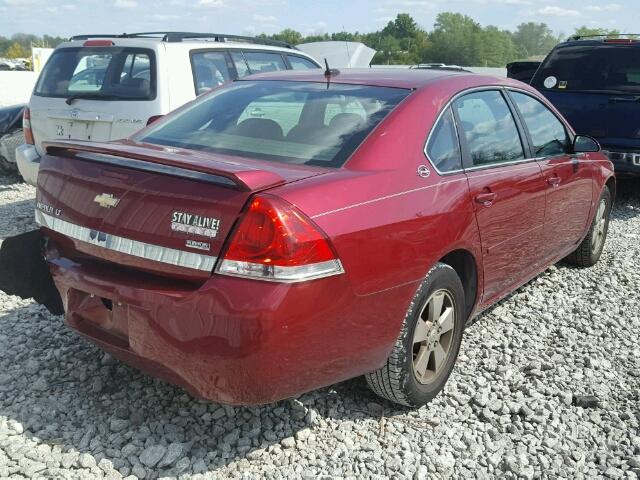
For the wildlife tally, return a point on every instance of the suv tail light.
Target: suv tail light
(153, 118)
(26, 127)
(275, 241)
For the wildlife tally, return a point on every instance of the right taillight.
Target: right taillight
(275, 241)
(26, 127)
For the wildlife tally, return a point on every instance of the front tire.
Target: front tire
(426, 350)
(589, 251)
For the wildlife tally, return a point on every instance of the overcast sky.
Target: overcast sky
(68, 17)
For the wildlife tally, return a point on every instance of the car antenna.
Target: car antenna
(329, 72)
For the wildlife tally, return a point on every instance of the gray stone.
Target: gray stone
(150, 456)
(86, 461)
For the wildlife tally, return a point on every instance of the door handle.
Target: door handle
(486, 199)
(554, 181)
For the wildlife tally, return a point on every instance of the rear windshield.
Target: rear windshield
(293, 122)
(607, 68)
(104, 73)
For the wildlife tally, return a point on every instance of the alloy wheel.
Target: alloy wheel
(433, 336)
(599, 227)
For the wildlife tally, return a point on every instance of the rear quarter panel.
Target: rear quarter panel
(390, 226)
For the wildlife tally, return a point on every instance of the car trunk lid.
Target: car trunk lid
(163, 210)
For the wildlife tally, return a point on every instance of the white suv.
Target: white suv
(102, 87)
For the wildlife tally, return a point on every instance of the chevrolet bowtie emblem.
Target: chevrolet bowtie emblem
(106, 200)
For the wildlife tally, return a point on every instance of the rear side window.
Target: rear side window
(548, 135)
(278, 121)
(210, 70)
(443, 148)
(300, 63)
(240, 64)
(260, 62)
(488, 128)
(610, 68)
(105, 73)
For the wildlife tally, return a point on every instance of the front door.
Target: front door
(506, 189)
(568, 177)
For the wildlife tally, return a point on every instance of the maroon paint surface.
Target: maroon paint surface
(243, 341)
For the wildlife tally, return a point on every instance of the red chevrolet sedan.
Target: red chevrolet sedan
(295, 229)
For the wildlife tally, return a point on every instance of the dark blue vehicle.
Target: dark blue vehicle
(595, 83)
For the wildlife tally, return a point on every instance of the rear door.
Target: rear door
(96, 93)
(506, 188)
(568, 177)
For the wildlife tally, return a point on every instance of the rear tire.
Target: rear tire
(589, 251)
(426, 350)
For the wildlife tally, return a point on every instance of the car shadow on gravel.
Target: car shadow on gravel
(627, 202)
(60, 391)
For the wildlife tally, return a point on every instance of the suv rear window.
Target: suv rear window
(608, 68)
(105, 73)
(280, 121)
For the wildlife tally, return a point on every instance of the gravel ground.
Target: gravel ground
(516, 405)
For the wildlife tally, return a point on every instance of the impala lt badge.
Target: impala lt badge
(107, 200)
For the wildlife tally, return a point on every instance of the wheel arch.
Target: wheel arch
(611, 185)
(466, 266)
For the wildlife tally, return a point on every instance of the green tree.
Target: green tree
(495, 47)
(454, 39)
(534, 39)
(287, 35)
(16, 50)
(587, 31)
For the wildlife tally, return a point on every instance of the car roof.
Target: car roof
(383, 77)
(599, 42)
(190, 44)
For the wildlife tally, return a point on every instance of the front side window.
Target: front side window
(279, 121)
(210, 70)
(261, 62)
(488, 128)
(300, 63)
(548, 135)
(443, 148)
(101, 73)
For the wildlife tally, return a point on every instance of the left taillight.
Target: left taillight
(276, 241)
(26, 127)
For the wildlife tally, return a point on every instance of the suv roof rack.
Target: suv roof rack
(612, 36)
(181, 36)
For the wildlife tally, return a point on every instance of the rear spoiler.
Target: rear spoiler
(183, 164)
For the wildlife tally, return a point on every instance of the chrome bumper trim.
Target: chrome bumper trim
(179, 258)
(629, 157)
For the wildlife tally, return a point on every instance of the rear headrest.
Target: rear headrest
(259, 128)
(343, 122)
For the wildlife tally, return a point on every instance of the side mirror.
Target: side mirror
(585, 144)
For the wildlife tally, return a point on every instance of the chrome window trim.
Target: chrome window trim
(147, 251)
(506, 163)
(449, 104)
